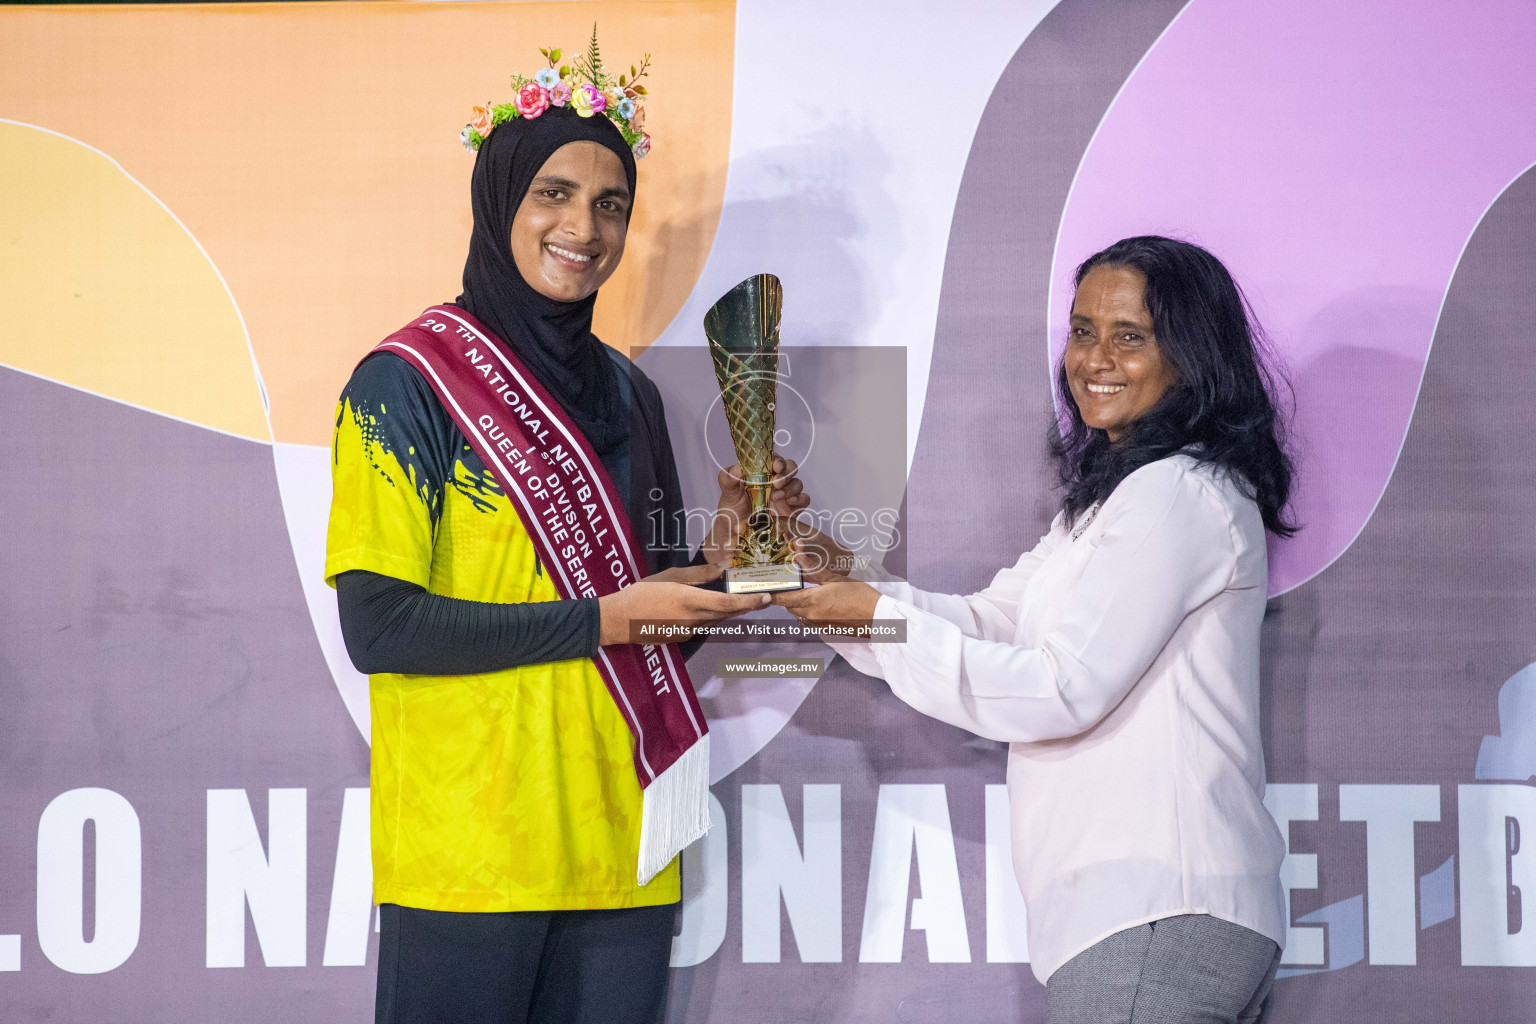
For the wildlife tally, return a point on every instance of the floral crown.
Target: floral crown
(582, 84)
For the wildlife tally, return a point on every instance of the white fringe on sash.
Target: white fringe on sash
(675, 810)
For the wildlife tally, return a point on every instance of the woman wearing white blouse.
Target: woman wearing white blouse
(1120, 657)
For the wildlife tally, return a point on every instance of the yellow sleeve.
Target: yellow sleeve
(383, 500)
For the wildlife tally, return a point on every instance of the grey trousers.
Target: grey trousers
(1191, 969)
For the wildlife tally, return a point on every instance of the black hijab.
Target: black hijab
(553, 338)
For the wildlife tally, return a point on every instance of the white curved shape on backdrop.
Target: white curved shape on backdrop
(304, 481)
(847, 201)
(842, 193)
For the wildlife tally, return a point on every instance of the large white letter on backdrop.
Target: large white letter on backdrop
(1288, 802)
(61, 881)
(346, 926)
(908, 817)
(1007, 925)
(1389, 813)
(1498, 831)
(706, 898)
(772, 865)
(273, 882)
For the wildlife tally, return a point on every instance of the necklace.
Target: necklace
(1086, 520)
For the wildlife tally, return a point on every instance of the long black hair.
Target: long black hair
(1221, 408)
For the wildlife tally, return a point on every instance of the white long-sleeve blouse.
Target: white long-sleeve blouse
(1122, 667)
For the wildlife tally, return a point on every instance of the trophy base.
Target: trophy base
(762, 579)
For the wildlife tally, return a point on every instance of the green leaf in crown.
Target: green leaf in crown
(583, 85)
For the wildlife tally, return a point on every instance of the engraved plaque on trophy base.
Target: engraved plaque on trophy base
(762, 579)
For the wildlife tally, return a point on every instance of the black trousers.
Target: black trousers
(533, 967)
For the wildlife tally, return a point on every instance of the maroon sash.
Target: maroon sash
(581, 532)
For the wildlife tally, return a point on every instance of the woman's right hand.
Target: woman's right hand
(667, 600)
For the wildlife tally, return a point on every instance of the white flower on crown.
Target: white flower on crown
(575, 85)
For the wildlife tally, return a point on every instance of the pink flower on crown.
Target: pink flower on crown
(532, 100)
(480, 119)
(560, 94)
(641, 147)
(587, 100)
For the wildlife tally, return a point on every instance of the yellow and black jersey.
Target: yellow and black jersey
(508, 790)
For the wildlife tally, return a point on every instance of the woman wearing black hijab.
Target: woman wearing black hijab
(506, 808)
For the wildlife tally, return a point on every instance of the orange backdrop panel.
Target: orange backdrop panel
(312, 149)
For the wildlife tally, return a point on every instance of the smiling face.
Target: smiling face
(1114, 369)
(568, 233)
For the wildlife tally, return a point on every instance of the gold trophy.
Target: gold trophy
(743, 332)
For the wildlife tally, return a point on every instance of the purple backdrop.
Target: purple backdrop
(1363, 172)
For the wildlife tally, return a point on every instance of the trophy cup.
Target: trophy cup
(743, 332)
